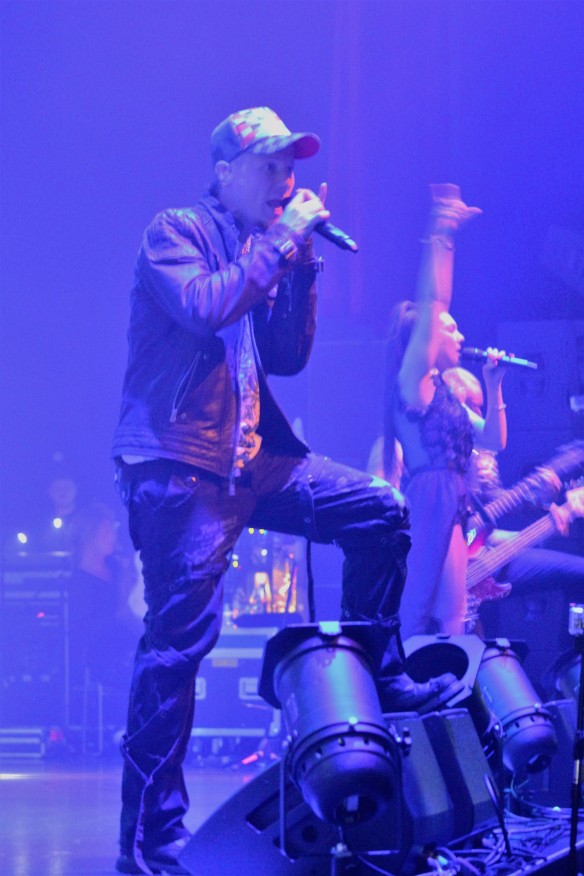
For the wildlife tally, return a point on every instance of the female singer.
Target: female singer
(435, 431)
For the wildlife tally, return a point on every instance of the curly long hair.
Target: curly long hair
(403, 319)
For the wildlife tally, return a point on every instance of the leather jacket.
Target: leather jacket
(192, 291)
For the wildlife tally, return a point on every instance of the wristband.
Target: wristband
(286, 247)
(444, 241)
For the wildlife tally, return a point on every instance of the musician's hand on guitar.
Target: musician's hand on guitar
(487, 468)
(500, 536)
(546, 484)
(561, 518)
(575, 503)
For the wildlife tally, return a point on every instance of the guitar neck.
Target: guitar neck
(498, 557)
(509, 500)
(570, 457)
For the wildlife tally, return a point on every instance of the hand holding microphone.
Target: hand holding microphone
(474, 354)
(305, 212)
(494, 366)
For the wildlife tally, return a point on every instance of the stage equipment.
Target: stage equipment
(267, 826)
(528, 737)
(340, 753)
(548, 791)
(227, 701)
(433, 655)
(501, 699)
(538, 619)
(565, 675)
(429, 656)
(34, 640)
(576, 630)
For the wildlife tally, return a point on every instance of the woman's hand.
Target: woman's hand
(449, 212)
(493, 370)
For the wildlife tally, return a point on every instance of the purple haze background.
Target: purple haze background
(107, 109)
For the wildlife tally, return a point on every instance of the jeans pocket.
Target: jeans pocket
(168, 493)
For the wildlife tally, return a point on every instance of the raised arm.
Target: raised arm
(434, 291)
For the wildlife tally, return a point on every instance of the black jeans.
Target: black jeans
(185, 523)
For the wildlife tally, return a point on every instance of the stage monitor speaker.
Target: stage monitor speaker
(444, 788)
(464, 766)
(443, 767)
(242, 836)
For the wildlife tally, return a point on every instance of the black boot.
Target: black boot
(399, 693)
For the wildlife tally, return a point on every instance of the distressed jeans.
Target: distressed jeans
(185, 522)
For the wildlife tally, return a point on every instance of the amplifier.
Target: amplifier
(22, 742)
(33, 640)
(227, 702)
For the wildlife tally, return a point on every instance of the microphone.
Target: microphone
(336, 236)
(331, 232)
(474, 354)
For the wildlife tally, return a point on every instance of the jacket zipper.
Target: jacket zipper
(184, 386)
(233, 474)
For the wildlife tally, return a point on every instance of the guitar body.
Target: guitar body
(485, 591)
(477, 544)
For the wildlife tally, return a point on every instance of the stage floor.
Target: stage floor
(61, 818)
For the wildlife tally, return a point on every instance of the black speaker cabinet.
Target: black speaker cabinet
(540, 619)
(443, 798)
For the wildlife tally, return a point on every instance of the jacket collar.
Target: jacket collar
(225, 222)
(215, 214)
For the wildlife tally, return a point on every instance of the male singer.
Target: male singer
(225, 293)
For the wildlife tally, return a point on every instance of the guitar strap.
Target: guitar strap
(479, 510)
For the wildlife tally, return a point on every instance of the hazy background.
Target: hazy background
(107, 109)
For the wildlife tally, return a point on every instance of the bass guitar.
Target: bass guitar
(535, 487)
(480, 583)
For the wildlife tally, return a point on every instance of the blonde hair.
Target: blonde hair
(466, 387)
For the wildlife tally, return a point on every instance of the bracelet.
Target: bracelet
(445, 242)
(501, 408)
(286, 247)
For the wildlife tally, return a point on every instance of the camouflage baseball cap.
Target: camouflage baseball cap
(261, 131)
